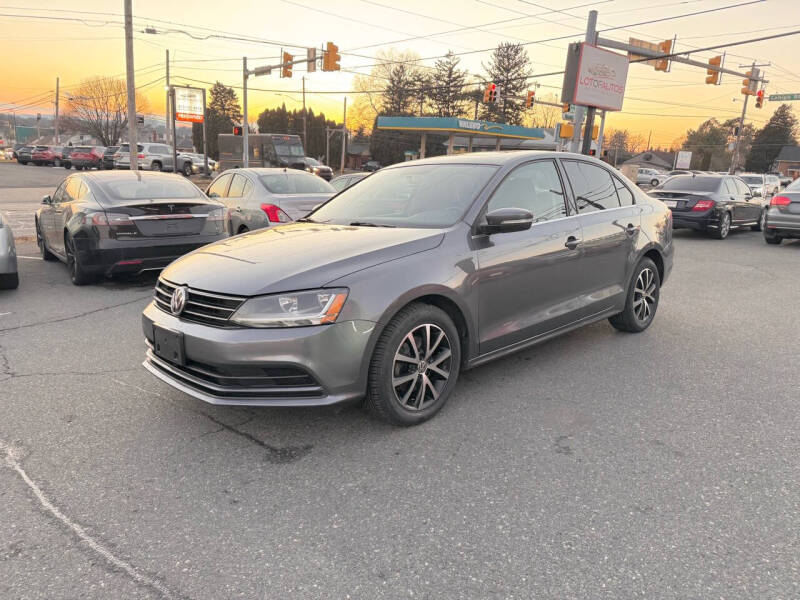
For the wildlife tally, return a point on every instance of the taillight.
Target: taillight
(780, 201)
(703, 205)
(140, 156)
(112, 220)
(275, 214)
(217, 214)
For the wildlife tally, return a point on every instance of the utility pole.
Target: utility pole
(56, 115)
(245, 127)
(305, 134)
(167, 109)
(591, 34)
(134, 147)
(737, 146)
(344, 135)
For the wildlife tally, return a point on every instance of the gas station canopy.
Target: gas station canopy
(451, 126)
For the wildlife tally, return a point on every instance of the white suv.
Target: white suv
(152, 157)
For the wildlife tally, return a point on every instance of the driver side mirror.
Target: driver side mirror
(47, 199)
(506, 220)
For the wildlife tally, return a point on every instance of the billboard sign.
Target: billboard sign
(601, 78)
(188, 104)
(683, 160)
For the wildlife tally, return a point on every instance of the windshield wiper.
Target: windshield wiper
(306, 220)
(368, 224)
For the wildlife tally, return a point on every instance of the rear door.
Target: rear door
(529, 282)
(245, 207)
(611, 222)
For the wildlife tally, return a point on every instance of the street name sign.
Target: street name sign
(783, 97)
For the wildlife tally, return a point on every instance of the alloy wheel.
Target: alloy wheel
(763, 219)
(725, 225)
(70, 251)
(644, 295)
(421, 367)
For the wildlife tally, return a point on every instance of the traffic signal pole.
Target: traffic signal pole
(245, 127)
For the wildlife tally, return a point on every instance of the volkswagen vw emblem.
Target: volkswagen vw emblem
(178, 301)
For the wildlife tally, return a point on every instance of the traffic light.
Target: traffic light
(490, 94)
(665, 47)
(592, 152)
(751, 82)
(529, 101)
(237, 130)
(565, 107)
(566, 131)
(713, 75)
(746, 84)
(760, 99)
(286, 69)
(331, 58)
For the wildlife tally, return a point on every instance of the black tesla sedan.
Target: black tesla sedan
(711, 203)
(111, 222)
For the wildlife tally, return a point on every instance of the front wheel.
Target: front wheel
(762, 221)
(9, 281)
(724, 227)
(641, 303)
(415, 366)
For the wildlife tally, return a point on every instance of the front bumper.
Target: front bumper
(295, 366)
(114, 257)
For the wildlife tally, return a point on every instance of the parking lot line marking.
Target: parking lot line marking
(4, 314)
(11, 458)
(29, 257)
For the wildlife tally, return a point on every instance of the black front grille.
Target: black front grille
(233, 381)
(201, 307)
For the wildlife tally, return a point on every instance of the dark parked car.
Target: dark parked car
(87, 157)
(317, 168)
(342, 182)
(107, 223)
(711, 203)
(24, 154)
(108, 157)
(66, 161)
(398, 283)
(371, 166)
(782, 216)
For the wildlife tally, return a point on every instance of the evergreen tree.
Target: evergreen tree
(398, 94)
(222, 114)
(509, 68)
(447, 87)
(780, 130)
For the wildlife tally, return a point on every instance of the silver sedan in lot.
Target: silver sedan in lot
(264, 197)
(398, 283)
(781, 219)
(9, 277)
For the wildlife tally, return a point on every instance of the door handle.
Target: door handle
(630, 229)
(572, 242)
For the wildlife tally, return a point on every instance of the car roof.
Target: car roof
(501, 158)
(101, 176)
(269, 171)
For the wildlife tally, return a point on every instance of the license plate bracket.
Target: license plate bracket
(671, 203)
(168, 344)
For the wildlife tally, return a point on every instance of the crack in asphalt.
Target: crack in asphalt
(275, 454)
(11, 456)
(78, 316)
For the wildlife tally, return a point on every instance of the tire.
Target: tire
(724, 227)
(155, 166)
(77, 272)
(9, 281)
(654, 182)
(641, 304)
(46, 254)
(772, 238)
(187, 169)
(408, 391)
(67, 166)
(762, 221)
(242, 229)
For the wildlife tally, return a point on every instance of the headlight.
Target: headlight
(293, 309)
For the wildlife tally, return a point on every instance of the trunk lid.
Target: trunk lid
(298, 206)
(165, 218)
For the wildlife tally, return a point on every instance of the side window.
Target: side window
(73, 190)
(237, 186)
(728, 187)
(742, 187)
(535, 187)
(218, 188)
(59, 193)
(592, 185)
(624, 194)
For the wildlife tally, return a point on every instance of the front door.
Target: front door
(47, 217)
(529, 281)
(748, 207)
(611, 224)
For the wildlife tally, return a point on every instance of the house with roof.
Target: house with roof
(788, 162)
(653, 159)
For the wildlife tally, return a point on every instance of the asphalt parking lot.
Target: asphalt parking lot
(596, 465)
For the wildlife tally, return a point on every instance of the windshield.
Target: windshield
(312, 162)
(432, 195)
(295, 183)
(127, 148)
(690, 183)
(751, 179)
(146, 188)
(288, 148)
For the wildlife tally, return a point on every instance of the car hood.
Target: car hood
(295, 256)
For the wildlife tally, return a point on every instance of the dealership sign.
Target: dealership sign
(683, 160)
(595, 77)
(188, 104)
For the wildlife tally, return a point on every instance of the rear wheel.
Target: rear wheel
(243, 229)
(9, 281)
(156, 166)
(77, 272)
(772, 238)
(187, 169)
(724, 227)
(46, 254)
(641, 304)
(654, 182)
(415, 366)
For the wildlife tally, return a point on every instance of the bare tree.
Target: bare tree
(544, 115)
(100, 107)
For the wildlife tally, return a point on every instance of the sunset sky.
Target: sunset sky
(37, 50)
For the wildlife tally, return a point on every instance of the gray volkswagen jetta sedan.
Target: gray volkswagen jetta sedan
(394, 286)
